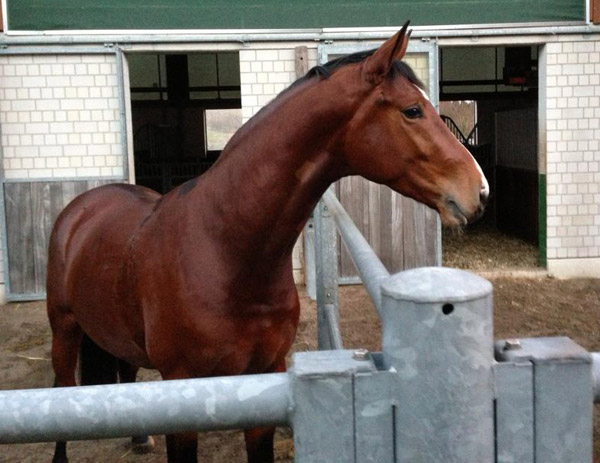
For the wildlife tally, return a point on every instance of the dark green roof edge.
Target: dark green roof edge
(39, 15)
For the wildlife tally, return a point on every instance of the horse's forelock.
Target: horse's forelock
(400, 68)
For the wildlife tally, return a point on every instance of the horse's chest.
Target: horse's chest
(229, 342)
(261, 343)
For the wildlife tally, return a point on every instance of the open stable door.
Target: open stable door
(403, 233)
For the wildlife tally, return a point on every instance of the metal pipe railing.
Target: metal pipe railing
(370, 268)
(596, 375)
(333, 323)
(164, 407)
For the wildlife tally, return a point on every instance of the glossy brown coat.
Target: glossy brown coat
(199, 282)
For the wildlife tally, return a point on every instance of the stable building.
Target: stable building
(149, 93)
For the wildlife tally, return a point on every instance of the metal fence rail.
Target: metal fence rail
(371, 269)
(96, 412)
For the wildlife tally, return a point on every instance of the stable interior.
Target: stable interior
(489, 99)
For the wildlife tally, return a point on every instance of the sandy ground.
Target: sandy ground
(523, 307)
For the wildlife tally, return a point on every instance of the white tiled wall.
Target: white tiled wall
(573, 154)
(60, 116)
(265, 74)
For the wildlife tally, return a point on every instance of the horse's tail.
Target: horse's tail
(96, 366)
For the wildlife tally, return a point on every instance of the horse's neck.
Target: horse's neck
(277, 168)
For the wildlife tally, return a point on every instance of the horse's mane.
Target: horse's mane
(324, 71)
(399, 68)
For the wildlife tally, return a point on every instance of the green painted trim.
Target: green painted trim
(38, 15)
(542, 223)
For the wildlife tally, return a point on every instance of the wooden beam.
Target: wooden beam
(595, 11)
(301, 59)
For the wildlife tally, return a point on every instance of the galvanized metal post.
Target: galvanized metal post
(309, 260)
(323, 417)
(326, 257)
(562, 392)
(437, 336)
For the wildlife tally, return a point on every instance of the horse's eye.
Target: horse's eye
(413, 112)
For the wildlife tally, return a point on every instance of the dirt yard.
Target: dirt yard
(523, 307)
(538, 306)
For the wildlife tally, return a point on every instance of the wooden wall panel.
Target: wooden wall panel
(19, 240)
(401, 231)
(595, 11)
(394, 231)
(31, 210)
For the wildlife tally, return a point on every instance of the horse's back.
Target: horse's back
(89, 257)
(103, 212)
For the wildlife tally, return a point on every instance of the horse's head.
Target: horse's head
(396, 137)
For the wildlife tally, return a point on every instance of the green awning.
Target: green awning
(37, 15)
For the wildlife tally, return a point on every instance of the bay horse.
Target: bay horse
(198, 282)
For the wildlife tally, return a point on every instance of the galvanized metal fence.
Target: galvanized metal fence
(440, 390)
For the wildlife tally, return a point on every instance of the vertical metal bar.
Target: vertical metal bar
(4, 235)
(596, 375)
(309, 260)
(434, 96)
(326, 258)
(333, 323)
(542, 155)
(122, 111)
(437, 335)
(3, 229)
(160, 85)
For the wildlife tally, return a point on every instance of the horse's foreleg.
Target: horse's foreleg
(66, 339)
(182, 448)
(139, 444)
(259, 441)
(259, 444)
(60, 453)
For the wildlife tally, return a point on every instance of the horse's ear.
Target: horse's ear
(378, 65)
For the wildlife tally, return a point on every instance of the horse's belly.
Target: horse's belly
(109, 326)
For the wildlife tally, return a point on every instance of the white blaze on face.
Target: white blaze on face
(422, 92)
(485, 187)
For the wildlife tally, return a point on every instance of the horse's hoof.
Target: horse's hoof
(142, 444)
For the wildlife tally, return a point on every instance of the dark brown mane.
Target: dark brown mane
(399, 68)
